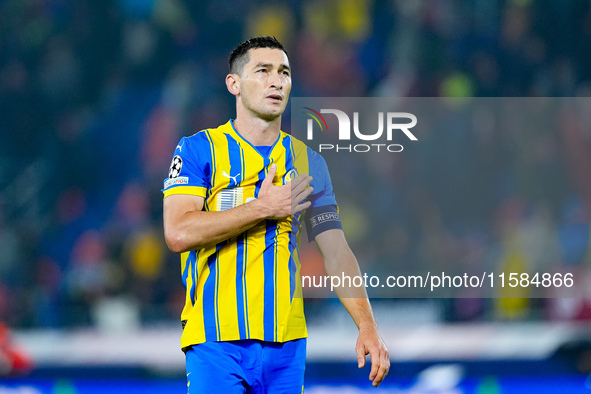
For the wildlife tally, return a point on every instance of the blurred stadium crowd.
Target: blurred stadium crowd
(94, 96)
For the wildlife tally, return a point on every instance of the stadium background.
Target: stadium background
(94, 95)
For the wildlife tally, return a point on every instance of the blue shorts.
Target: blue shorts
(247, 366)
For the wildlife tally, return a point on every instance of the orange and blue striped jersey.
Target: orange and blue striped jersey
(247, 287)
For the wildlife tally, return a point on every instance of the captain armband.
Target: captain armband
(320, 219)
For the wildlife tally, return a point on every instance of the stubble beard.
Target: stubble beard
(264, 113)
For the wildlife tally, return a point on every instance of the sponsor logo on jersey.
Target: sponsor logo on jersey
(182, 180)
(230, 198)
(231, 177)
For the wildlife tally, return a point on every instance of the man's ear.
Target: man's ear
(233, 84)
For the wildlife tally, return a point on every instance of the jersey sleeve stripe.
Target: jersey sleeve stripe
(190, 190)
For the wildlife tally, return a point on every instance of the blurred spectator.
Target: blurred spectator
(13, 360)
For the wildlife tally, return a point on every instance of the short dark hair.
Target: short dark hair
(239, 56)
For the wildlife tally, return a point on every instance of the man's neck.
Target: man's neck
(258, 131)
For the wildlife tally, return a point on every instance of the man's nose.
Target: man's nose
(275, 80)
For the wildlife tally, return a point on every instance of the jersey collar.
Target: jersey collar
(251, 145)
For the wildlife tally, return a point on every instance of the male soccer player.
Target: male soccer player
(234, 202)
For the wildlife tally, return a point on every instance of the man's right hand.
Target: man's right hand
(283, 201)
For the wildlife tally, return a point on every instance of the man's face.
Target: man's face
(265, 82)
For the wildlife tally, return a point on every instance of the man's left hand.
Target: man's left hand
(369, 342)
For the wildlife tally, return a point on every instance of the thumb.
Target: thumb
(360, 357)
(268, 181)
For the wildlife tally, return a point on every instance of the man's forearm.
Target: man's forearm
(197, 229)
(361, 312)
(340, 261)
(354, 299)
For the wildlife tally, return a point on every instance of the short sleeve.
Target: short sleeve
(190, 169)
(323, 214)
(323, 194)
